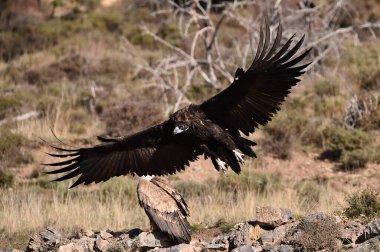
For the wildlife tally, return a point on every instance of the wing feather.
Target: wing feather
(149, 152)
(253, 98)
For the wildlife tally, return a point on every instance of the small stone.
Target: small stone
(105, 235)
(101, 245)
(50, 235)
(71, 247)
(244, 248)
(216, 246)
(273, 217)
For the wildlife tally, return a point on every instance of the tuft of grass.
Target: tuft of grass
(8, 104)
(309, 194)
(365, 203)
(11, 151)
(224, 225)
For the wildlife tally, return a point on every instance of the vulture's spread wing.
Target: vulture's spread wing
(165, 209)
(256, 94)
(150, 152)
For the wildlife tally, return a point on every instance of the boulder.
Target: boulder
(273, 217)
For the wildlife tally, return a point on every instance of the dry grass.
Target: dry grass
(114, 205)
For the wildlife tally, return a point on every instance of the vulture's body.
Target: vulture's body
(213, 129)
(166, 209)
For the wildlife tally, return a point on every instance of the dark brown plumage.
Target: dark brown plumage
(211, 129)
(165, 207)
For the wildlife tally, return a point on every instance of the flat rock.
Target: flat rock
(71, 247)
(47, 240)
(372, 229)
(277, 248)
(273, 217)
(88, 233)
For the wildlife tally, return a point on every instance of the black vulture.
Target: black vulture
(213, 128)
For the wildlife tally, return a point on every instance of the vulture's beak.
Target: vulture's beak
(177, 130)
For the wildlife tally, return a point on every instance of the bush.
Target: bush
(6, 179)
(364, 203)
(319, 233)
(351, 160)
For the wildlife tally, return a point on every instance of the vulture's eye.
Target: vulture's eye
(180, 128)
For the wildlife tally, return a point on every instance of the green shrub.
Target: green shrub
(277, 141)
(351, 160)
(326, 87)
(364, 203)
(339, 139)
(6, 179)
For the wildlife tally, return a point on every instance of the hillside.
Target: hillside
(90, 67)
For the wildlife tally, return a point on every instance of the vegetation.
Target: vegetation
(363, 204)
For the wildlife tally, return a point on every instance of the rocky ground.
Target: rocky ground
(273, 230)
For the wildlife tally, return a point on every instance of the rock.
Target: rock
(351, 232)
(178, 248)
(147, 240)
(242, 234)
(89, 233)
(101, 245)
(273, 217)
(87, 243)
(370, 245)
(244, 248)
(71, 247)
(47, 240)
(105, 235)
(277, 236)
(121, 246)
(51, 236)
(370, 230)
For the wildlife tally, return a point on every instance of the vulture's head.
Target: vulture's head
(180, 128)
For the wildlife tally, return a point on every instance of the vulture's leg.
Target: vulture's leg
(216, 161)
